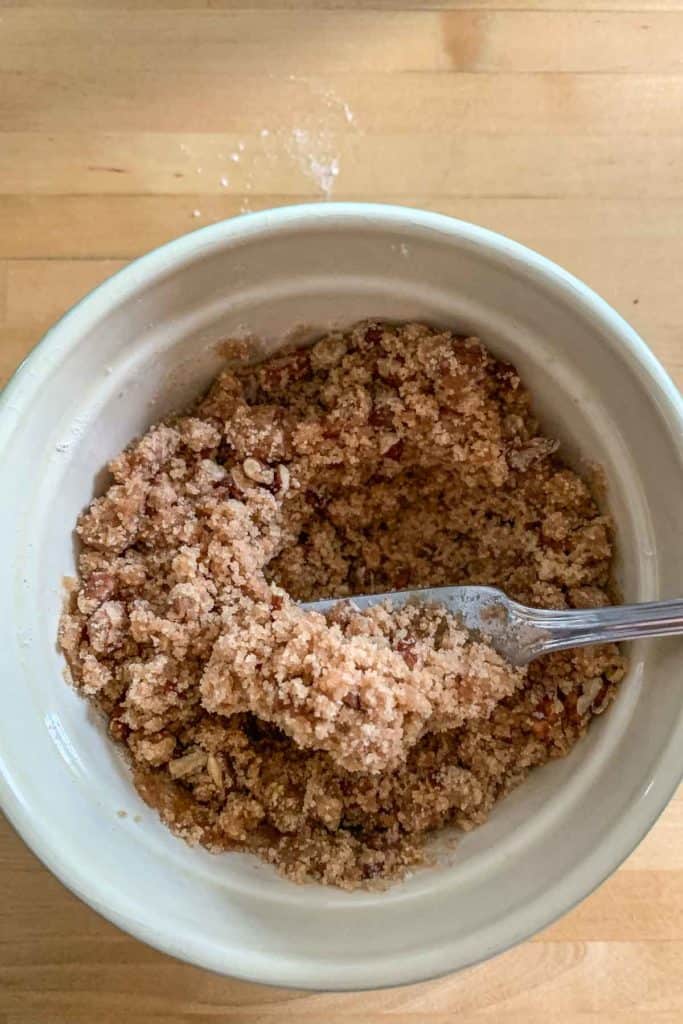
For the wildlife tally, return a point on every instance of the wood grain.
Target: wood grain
(450, 105)
(364, 40)
(124, 123)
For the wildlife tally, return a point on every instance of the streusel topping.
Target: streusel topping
(380, 459)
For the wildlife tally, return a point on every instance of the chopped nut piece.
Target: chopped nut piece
(215, 771)
(282, 479)
(591, 689)
(240, 479)
(192, 762)
(259, 474)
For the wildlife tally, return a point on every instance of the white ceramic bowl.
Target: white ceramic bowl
(145, 342)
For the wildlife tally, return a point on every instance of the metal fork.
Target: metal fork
(521, 634)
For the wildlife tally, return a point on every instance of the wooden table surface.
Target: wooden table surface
(558, 122)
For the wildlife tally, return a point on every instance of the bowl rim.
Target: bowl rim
(622, 838)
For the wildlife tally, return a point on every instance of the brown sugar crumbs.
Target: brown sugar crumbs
(384, 458)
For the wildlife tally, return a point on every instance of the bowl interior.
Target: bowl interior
(145, 344)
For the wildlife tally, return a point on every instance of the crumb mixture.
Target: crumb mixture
(331, 746)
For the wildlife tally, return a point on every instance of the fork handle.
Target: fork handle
(580, 627)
